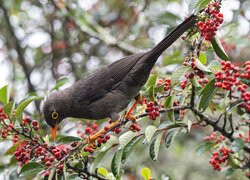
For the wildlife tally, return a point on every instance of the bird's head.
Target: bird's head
(55, 110)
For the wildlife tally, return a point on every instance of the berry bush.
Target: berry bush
(207, 93)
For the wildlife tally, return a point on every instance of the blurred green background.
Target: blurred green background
(43, 42)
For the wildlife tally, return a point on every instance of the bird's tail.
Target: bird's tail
(170, 39)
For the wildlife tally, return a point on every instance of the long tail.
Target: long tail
(170, 39)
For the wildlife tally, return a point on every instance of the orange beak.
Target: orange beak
(54, 131)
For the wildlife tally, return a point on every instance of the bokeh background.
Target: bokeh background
(44, 42)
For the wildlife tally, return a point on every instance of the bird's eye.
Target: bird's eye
(54, 115)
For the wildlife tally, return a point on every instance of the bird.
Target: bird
(108, 91)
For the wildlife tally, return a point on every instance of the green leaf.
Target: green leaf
(5, 94)
(202, 58)
(151, 93)
(237, 145)
(12, 149)
(68, 139)
(201, 66)
(9, 108)
(206, 95)
(234, 105)
(178, 74)
(214, 66)
(112, 140)
(202, 4)
(151, 80)
(97, 160)
(169, 138)
(31, 169)
(167, 102)
(102, 171)
(24, 104)
(174, 58)
(155, 147)
(218, 48)
(125, 138)
(149, 132)
(116, 163)
(127, 150)
(60, 83)
(146, 173)
(203, 147)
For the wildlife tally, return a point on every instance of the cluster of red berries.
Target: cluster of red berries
(214, 137)
(27, 120)
(47, 154)
(100, 140)
(135, 127)
(229, 78)
(219, 157)
(91, 129)
(152, 110)
(167, 83)
(203, 81)
(209, 27)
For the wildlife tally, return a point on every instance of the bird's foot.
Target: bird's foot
(93, 137)
(130, 117)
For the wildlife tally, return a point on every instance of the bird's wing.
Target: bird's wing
(104, 80)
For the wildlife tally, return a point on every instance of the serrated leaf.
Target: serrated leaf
(203, 147)
(218, 49)
(102, 171)
(169, 138)
(178, 74)
(9, 108)
(155, 147)
(151, 80)
(5, 94)
(146, 173)
(202, 58)
(116, 163)
(206, 95)
(24, 104)
(112, 140)
(237, 145)
(30, 169)
(201, 66)
(125, 138)
(127, 150)
(60, 83)
(68, 139)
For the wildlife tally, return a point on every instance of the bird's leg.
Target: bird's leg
(129, 114)
(92, 138)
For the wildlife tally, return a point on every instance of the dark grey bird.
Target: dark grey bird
(109, 90)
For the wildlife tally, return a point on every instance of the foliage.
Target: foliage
(203, 91)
